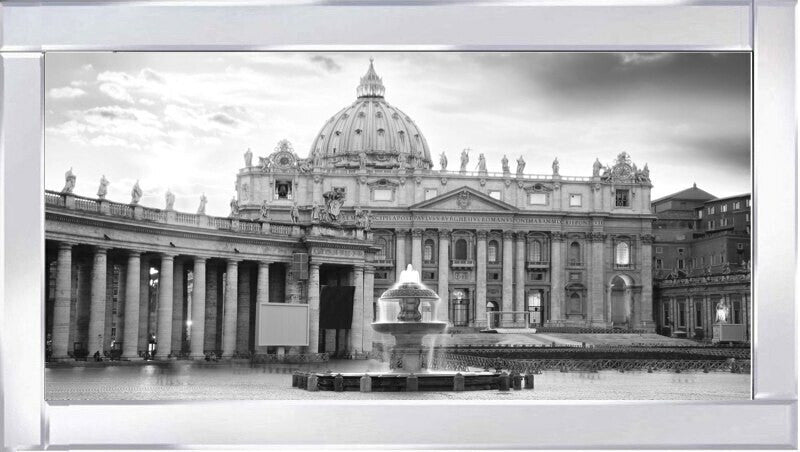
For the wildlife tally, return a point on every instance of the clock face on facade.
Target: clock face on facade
(623, 171)
(284, 159)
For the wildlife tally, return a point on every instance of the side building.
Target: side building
(701, 262)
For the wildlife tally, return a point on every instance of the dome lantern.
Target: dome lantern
(371, 85)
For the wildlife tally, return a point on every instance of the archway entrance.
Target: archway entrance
(620, 300)
(336, 308)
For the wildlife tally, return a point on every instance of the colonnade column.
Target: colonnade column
(130, 330)
(177, 305)
(416, 249)
(358, 324)
(480, 279)
(444, 274)
(198, 308)
(519, 278)
(243, 312)
(63, 301)
(556, 282)
(229, 315)
(508, 271)
(400, 251)
(164, 322)
(97, 304)
(262, 294)
(313, 308)
(369, 306)
(597, 291)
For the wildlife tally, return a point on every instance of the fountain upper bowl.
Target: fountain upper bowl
(409, 327)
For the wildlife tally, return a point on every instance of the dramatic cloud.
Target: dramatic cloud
(183, 120)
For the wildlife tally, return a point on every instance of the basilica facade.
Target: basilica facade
(329, 232)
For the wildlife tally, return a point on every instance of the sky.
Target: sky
(182, 121)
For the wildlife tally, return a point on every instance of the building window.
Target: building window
(747, 217)
(381, 275)
(537, 199)
(575, 276)
(698, 314)
(574, 253)
(700, 213)
(491, 251)
(747, 203)
(536, 251)
(737, 312)
(575, 200)
(659, 249)
(681, 314)
(711, 224)
(681, 264)
(622, 254)
(431, 193)
(536, 276)
(382, 246)
(575, 305)
(665, 309)
(659, 264)
(740, 246)
(737, 205)
(382, 194)
(711, 210)
(460, 250)
(622, 198)
(428, 275)
(283, 189)
(494, 276)
(496, 194)
(724, 208)
(427, 251)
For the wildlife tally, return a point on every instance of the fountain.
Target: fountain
(408, 311)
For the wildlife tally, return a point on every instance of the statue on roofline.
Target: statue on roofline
(248, 158)
(520, 165)
(443, 161)
(504, 163)
(102, 191)
(170, 200)
(136, 193)
(201, 210)
(69, 181)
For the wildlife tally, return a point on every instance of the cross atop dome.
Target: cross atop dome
(371, 85)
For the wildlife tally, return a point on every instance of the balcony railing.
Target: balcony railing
(384, 263)
(623, 266)
(538, 264)
(574, 263)
(462, 263)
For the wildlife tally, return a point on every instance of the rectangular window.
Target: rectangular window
(537, 199)
(381, 275)
(492, 252)
(659, 249)
(711, 224)
(428, 275)
(574, 276)
(747, 203)
(737, 205)
(431, 193)
(681, 250)
(496, 194)
(737, 312)
(724, 208)
(700, 213)
(681, 264)
(698, 314)
(740, 246)
(494, 276)
(747, 217)
(622, 198)
(283, 189)
(682, 314)
(711, 210)
(536, 276)
(665, 306)
(659, 264)
(575, 200)
(382, 194)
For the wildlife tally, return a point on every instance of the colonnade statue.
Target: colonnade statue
(481, 163)
(555, 167)
(504, 162)
(69, 181)
(102, 191)
(136, 193)
(248, 158)
(520, 165)
(464, 160)
(596, 167)
(443, 161)
(169, 198)
(201, 210)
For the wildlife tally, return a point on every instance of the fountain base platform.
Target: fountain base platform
(399, 382)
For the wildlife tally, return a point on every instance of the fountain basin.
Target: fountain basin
(416, 328)
(396, 382)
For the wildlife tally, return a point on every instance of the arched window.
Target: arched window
(536, 251)
(575, 304)
(382, 244)
(491, 252)
(427, 251)
(574, 253)
(622, 255)
(460, 251)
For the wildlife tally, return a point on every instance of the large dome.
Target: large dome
(371, 133)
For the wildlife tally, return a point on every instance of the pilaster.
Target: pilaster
(444, 275)
(313, 308)
(63, 301)
(416, 249)
(556, 278)
(358, 324)
(508, 271)
(480, 279)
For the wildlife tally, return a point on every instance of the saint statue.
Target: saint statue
(264, 162)
(136, 193)
(481, 163)
(334, 199)
(264, 211)
(646, 172)
(315, 213)
(368, 221)
(443, 161)
(234, 207)
(555, 167)
(722, 312)
(170, 199)
(464, 160)
(102, 191)
(596, 167)
(295, 213)
(69, 184)
(520, 165)
(504, 162)
(248, 158)
(201, 210)
(362, 160)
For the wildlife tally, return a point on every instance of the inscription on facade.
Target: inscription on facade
(484, 219)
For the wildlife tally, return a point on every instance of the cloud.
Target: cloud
(644, 58)
(66, 92)
(223, 119)
(116, 92)
(327, 62)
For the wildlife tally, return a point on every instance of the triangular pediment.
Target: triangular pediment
(464, 199)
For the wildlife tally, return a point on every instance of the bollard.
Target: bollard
(528, 380)
(734, 366)
(650, 369)
(458, 382)
(301, 382)
(504, 381)
(366, 383)
(295, 379)
(313, 383)
(412, 383)
(516, 381)
(583, 344)
(338, 383)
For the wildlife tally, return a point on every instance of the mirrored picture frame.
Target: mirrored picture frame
(765, 27)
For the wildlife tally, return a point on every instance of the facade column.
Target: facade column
(508, 272)
(400, 251)
(646, 300)
(358, 323)
(229, 309)
(97, 306)
(480, 279)
(519, 276)
(556, 281)
(63, 302)
(178, 321)
(144, 304)
(369, 307)
(164, 319)
(130, 331)
(198, 308)
(444, 275)
(243, 311)
(416, 250)
(597, 293)
(313, 308)
(262, 295)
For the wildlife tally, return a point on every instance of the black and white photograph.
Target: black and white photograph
(397, 226)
